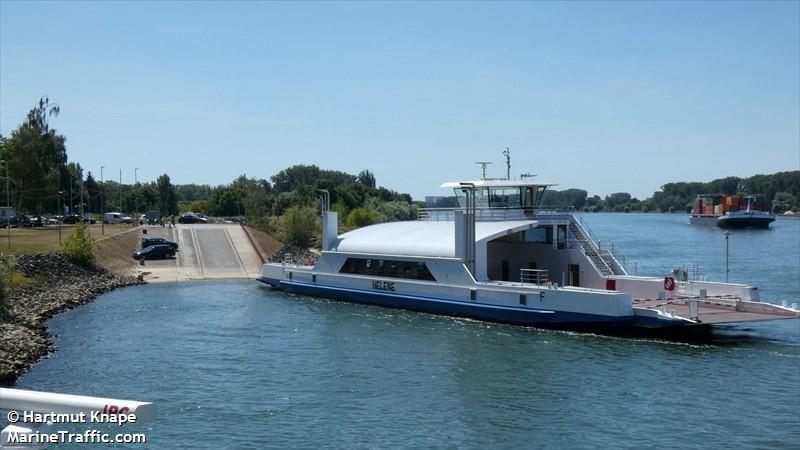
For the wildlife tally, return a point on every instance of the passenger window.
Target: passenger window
(412, 270)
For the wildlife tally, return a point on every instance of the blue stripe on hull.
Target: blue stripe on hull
(655, 322)
(481, 311)
(270, 281)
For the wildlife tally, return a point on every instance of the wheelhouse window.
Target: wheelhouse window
(411, 270)
(504, 197)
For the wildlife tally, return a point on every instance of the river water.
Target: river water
(236, 365)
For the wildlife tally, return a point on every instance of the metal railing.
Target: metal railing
(492, 213)
(610, 251)
(614, 250)
(688, 272)
(607, 258)
(533, 276)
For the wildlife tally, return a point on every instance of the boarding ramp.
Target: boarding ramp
(716, 310)
(205, 251)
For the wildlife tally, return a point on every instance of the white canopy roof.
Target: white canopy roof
(420, 238)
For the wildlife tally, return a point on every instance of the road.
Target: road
(205, 251)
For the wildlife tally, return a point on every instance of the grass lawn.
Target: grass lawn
(45, 239)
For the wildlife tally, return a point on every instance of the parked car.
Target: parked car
(191, 218)
(36, 221)
(154, 240)
(72, 219)
(157, 251)
(21, 221)
(150, 218)
(112, 217)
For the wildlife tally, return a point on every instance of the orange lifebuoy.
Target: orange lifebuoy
(669, 283)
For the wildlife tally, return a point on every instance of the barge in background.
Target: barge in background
(731, 211)
(501, 257)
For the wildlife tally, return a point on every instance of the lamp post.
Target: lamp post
(727, 253)
(83, 213)
(102, 203)
(62, 217)
(8, 204)
(136, 195)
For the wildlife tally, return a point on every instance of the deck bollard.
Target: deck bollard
(694, 312)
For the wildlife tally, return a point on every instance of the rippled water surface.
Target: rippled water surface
(236, 365)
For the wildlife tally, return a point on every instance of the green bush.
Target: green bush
(392, 211)
(361, 217)
(78, 246)
(6, 265)
(299, 226)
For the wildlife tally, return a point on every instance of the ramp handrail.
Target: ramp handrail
(609, 252)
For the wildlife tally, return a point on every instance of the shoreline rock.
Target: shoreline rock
(56, 285)
(297, 255)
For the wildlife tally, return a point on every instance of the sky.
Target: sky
(609, 97)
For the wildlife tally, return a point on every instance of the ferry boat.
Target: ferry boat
(731, 211)
(500, 256)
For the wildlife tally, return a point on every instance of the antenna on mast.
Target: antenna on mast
(507, 154)
(483, 167)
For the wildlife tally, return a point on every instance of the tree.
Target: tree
(148, 197)
(256, 200)
(783, 202)
(290, 178)
(92, 192)
(391, 211)
(361, 217)
(78, 246)
(227, 201)
(71, 184)
(366, 178)
(167, 200)
(200, 206)
(35, 155)
(299, 225)
(192, 192)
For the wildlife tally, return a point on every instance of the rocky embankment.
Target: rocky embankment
(53, 284)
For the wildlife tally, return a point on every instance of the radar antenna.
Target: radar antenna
(507, 154)
(483, 167)
(527, 175)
